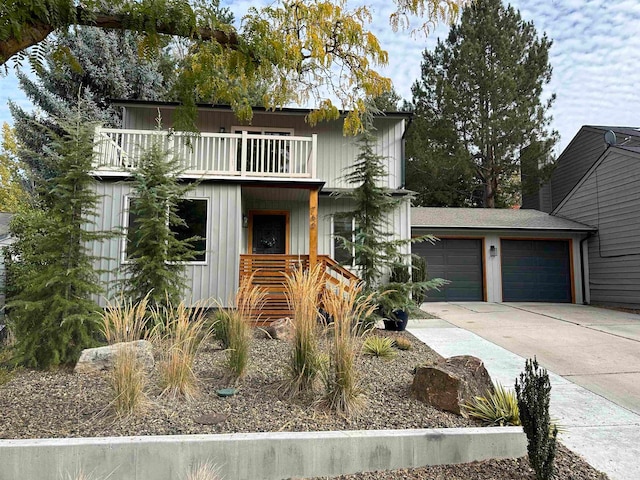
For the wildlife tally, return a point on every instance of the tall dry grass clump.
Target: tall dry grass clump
(348, 307)
(179, 332)
(204, 471)
(233, 326)
(123, 321)
(303, 289)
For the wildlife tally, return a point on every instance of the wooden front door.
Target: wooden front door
(269, 234)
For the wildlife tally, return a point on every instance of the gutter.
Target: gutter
(403, 155)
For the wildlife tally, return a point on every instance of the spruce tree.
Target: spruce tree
(52, 277)
(155, 256)
(481, 98)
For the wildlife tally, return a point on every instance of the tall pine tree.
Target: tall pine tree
(481, 98)
(52, 275)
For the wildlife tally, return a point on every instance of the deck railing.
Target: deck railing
(269, 272)
(210, 154)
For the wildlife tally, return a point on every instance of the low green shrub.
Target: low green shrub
(377, 346)
(497, 408)
(533, 391)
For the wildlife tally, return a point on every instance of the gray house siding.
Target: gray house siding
(608, 199)
(335, 154)
(218, 278)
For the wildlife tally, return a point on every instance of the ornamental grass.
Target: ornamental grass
(497, 408)
(123, 321)
(343, 392)
(377, 346)
(303, 289)
(178, 333)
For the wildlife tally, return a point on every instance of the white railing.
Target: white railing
(210, 154)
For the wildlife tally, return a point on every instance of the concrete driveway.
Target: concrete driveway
(596, 348)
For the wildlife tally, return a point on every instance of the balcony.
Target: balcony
(208, 155)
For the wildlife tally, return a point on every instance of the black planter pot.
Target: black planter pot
(398, 325)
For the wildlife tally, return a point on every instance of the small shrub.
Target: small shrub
(497, 408)
(179, 332)
(343, 393)
(303, 288)
(402, 343)
(533, 391)
(378, 347)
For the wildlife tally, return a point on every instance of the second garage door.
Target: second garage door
(457, 260)
(536, 271)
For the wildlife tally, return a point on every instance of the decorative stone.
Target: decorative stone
(101, 359)
(226, 392)
(281, 329)
(211, 418)
(451, 382)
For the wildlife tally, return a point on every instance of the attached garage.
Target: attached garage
(503, 255)
(459, 260)
(536, 270)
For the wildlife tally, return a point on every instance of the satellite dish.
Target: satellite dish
(610, 138)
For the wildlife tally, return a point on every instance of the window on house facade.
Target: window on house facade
(343, 227)
(266, 155)
(192, 211)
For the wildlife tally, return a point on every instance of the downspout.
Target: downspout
(584, 284)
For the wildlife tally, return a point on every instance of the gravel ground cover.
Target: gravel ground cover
(59, 403)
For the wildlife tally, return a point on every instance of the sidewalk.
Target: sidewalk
(605, 434)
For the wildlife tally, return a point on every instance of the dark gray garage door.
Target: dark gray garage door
(456, 260)
(536, 271)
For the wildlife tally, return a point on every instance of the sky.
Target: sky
(595, 58)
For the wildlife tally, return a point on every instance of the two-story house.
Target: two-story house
(265, 199)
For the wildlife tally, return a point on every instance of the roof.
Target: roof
(492, 219)
(284, 110)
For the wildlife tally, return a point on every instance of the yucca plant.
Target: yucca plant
(124, 321)
(377, 346)
(343, 392)
(303, 289)
(497, 408)
(179, 331)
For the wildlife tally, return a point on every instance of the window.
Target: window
(266, 155)
(343, 227)
(194, 214)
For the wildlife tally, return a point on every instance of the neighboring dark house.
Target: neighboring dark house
(497, 255)
(598, 184)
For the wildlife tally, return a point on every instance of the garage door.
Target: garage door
(536, 271)
(456, 260)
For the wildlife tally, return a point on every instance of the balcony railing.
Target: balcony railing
(210, 154)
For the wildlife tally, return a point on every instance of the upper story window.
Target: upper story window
(266, 155)
(193, 211)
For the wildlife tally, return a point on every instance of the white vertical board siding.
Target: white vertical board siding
(217, 279)
(608, 199)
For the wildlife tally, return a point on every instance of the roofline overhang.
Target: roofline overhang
(227, 108)
(527, 229)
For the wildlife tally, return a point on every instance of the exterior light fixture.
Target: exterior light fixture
(493, 251)
(222, 130)
(245, 221)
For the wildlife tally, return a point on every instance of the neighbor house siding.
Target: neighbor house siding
(336, 152)
(608, 199)
(217, 279)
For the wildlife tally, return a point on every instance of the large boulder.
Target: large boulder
(102, 359)
(451, 382)
(281, 329)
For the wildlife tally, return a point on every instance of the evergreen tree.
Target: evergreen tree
(92, 66)
(52, 275)
(480, 96)
(155, 256)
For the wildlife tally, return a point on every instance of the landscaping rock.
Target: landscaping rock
(281, 329)
(451, 382)
(99, 359)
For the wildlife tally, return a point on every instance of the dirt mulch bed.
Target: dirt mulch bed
(59, 403)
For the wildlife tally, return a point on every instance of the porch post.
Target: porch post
(313, 227)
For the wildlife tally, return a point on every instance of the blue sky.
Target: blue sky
(595, 58)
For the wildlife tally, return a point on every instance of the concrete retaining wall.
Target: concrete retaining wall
(254, 456)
